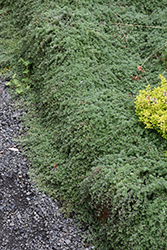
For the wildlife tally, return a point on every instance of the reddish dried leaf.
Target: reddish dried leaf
(140, 69)
(135, 78)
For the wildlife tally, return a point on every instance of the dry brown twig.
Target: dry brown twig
(153, 53)
(136, 25)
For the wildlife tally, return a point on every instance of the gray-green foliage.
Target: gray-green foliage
(84, 140)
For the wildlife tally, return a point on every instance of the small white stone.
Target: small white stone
(14, 149)
(68, 242)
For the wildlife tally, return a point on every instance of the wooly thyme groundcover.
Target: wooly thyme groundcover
(76, 64)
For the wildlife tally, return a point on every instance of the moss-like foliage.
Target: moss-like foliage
(83, 137)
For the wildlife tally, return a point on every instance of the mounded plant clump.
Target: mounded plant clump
(75, 66)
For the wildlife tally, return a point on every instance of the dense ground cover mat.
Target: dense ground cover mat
(79, 66)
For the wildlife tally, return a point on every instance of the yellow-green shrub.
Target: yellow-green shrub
(151, 107)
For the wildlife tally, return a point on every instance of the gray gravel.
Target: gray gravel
(28, 220)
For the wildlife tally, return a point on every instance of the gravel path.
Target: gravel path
(28, 220)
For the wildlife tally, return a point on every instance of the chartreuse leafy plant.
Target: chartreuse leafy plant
(151, 107)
